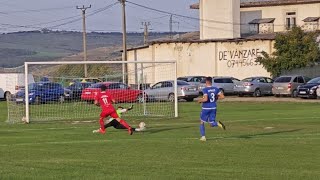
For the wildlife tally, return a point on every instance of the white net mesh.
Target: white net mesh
(61, 92)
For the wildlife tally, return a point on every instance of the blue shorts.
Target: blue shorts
(208, 115)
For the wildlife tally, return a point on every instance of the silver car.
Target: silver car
(225, 84)
(256, 86)
(287, 85)
(193, 80)
(164, 91)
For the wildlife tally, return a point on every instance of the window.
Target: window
(95, 86)
(218, 80)
(269, 80)
(114, 86)
(300, 80)
(182, 83)
(261, 80)
(157, 86)
(295, 80)
(291, 20)
(314, 81)
(166, 84)
(123, 86)
(227, 80)
(284, 79)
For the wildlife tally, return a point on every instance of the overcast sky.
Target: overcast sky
(15, 14)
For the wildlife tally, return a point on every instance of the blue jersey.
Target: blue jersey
(212, 93)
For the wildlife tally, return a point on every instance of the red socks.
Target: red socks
(101, 121)
(125, 124)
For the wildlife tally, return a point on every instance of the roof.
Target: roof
(268, 3)
(262, 21)
(255, 37)
(311, 19)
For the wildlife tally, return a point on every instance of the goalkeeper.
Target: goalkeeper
(116, 124)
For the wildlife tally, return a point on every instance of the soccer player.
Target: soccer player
(116, 124)
(211, 95)
(105, 100)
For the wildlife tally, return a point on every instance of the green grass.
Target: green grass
(170, 149)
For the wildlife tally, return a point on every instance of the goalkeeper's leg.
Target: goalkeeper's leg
(114, 115)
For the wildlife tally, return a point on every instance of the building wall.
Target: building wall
(238, 59)
(219, 19)
(279, 12)
(208, 59)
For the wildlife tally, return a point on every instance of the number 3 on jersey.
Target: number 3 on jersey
(212, 97)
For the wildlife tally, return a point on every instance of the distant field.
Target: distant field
(16, 48)
(264, 140)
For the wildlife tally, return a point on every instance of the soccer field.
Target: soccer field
(263, 141)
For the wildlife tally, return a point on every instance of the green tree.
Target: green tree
(294, 49)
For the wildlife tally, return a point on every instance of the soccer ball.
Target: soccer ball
(24, 120)
(142, 125)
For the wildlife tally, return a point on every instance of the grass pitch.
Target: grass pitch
(262, 141)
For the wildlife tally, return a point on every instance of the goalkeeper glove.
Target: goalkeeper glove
(130, 108)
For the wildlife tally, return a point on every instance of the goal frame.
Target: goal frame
(26, 83)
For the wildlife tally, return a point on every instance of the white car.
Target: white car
(10, 83)
(318, 92)
(164, 91)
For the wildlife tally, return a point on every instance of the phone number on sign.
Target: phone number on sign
(242, 63)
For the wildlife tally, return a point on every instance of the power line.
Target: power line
(89, 14)
(189, 17)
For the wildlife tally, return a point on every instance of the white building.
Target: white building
(232, 35)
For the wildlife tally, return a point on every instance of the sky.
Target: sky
(19, 15)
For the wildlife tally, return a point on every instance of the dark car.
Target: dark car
(309, 90)
(42, 92)
(75, 90)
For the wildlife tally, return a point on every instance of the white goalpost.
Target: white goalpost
(56, 91)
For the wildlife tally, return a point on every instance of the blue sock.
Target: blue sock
(213, 124)
(202, 130)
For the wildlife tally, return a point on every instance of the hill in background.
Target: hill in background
(16, 48)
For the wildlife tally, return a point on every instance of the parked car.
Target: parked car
(192, 80)
(225, 84)
(11, 83)
(287, 85)
(318, 92)
(256, 86)
(309, 90)
(42, 92)
(120, 92)
(164, 91)
(74, 91)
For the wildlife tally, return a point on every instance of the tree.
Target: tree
(294, 49)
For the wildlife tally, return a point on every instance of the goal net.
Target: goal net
(65, 91)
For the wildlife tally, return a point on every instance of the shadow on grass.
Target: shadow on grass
(249, 136)
(159, 130)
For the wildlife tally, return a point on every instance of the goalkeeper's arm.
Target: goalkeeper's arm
(126, 110)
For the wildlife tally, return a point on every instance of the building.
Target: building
(232, 35)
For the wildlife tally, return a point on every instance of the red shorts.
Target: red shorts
(109, 112)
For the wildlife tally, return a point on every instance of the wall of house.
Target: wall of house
(208, 59)
(279, 12)
(219, 19)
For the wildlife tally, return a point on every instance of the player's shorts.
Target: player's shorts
(109, 112)
(208, 115)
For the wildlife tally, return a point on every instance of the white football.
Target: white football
(142, 125)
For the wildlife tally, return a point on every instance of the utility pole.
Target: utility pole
(124, 39)
(146, 32)
(170, 26)
(84, 34)
(171, 22)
